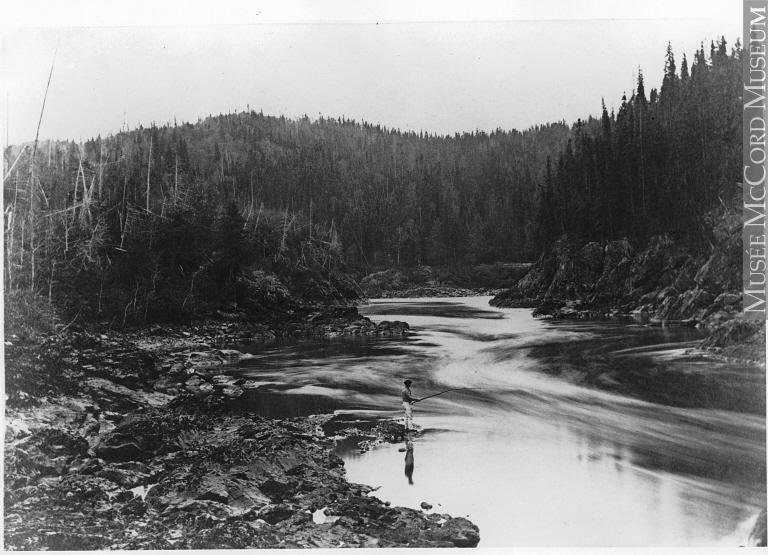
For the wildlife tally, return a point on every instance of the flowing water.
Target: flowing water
(533, 460)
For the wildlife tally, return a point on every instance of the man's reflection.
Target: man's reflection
(409, 461)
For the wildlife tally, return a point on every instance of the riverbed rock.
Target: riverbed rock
(136, 467)
(459, 531)
(738, 338)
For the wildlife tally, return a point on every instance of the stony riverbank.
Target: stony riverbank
(666, 282)
(426, 281)
(664, 279)
(128, 441)
(662, 283)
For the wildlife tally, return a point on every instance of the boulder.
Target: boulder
(274, 514)
(117, 451)
(612, 283)
(728, 300)
(216, 493)
(459, 531)
(277, 489)
(137, 437)
(126, 478)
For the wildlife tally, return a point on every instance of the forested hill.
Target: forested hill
(416, 197)
(175, 211)
(658, 166)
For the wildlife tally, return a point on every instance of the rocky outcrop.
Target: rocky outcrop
(259, 290)
(395, 284)
(192, 475)
(738, 339)
(101, 458)
(665, 281)
(427, 281)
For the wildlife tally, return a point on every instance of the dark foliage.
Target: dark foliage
(658, 166)
(157, 224)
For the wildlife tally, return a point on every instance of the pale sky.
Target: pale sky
(442, 67)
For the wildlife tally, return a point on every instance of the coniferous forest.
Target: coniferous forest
(155, 223)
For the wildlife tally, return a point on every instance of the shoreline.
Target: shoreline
(136, 448)
(87, 447)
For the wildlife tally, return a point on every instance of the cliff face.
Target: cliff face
(667, 281)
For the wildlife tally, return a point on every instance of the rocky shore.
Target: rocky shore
(436, 292)
(664, 283)
(426, 281)
(129, 441)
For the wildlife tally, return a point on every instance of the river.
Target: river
(533, 460)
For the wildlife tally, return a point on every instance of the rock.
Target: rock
(128, 451)
(166, 384)
(191, 473)
(728, 299)
(136, 507)
(203, 360)
(274, 514)
(86, 467)
(459, 531)
(232, 391)
(177, 368)
(125, 478)
(426, 506)
(135, 438)
(218, 494)
(55, 442)
(133, 466)
(667, 280)
(229, 354)
(737, 338)
(195, 381)
(276, 489)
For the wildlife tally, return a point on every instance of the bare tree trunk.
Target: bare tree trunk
(149, 166)
(101, 167)
(21, 258)
(32, 174)
(50, 282)
(23, 148)
(9, 250)
(123, 214)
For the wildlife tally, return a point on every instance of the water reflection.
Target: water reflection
(443, 308)
(409, 461)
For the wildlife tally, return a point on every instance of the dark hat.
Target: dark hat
(407, 382)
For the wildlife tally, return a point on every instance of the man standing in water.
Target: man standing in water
(408, 400)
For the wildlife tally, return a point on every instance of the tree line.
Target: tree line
(659, 165)
(157, 222)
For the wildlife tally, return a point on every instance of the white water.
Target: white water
(534, 461)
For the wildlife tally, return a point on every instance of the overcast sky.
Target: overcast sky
(441, 67)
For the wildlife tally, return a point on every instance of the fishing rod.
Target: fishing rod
(446, 391)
